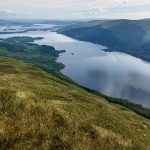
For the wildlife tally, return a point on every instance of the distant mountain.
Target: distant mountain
(32, 22)
(129, 36)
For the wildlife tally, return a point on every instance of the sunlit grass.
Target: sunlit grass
(39, 111)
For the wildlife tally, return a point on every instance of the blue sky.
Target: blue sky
(74, 9)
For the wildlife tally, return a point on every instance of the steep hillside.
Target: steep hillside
(129, 36)
(40, 111)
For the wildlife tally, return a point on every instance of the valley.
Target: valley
(75, 75)
(114, 74)
(54, 87)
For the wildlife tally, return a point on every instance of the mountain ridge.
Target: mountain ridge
(128, 36)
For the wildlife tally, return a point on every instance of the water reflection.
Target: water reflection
(114, 74)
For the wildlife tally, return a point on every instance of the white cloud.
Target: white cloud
(60, 9)
(121, 1)
(7, 12)
(90, 12)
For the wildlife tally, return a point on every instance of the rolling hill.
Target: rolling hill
(41, 111)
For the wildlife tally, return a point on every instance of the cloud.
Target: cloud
(7, 12)
(90, 12)
(121, 1)
(70, 9)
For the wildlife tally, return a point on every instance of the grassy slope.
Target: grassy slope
(38, 110)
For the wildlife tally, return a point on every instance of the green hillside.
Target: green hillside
(41, 56)
(40, 111)
(128, 36)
